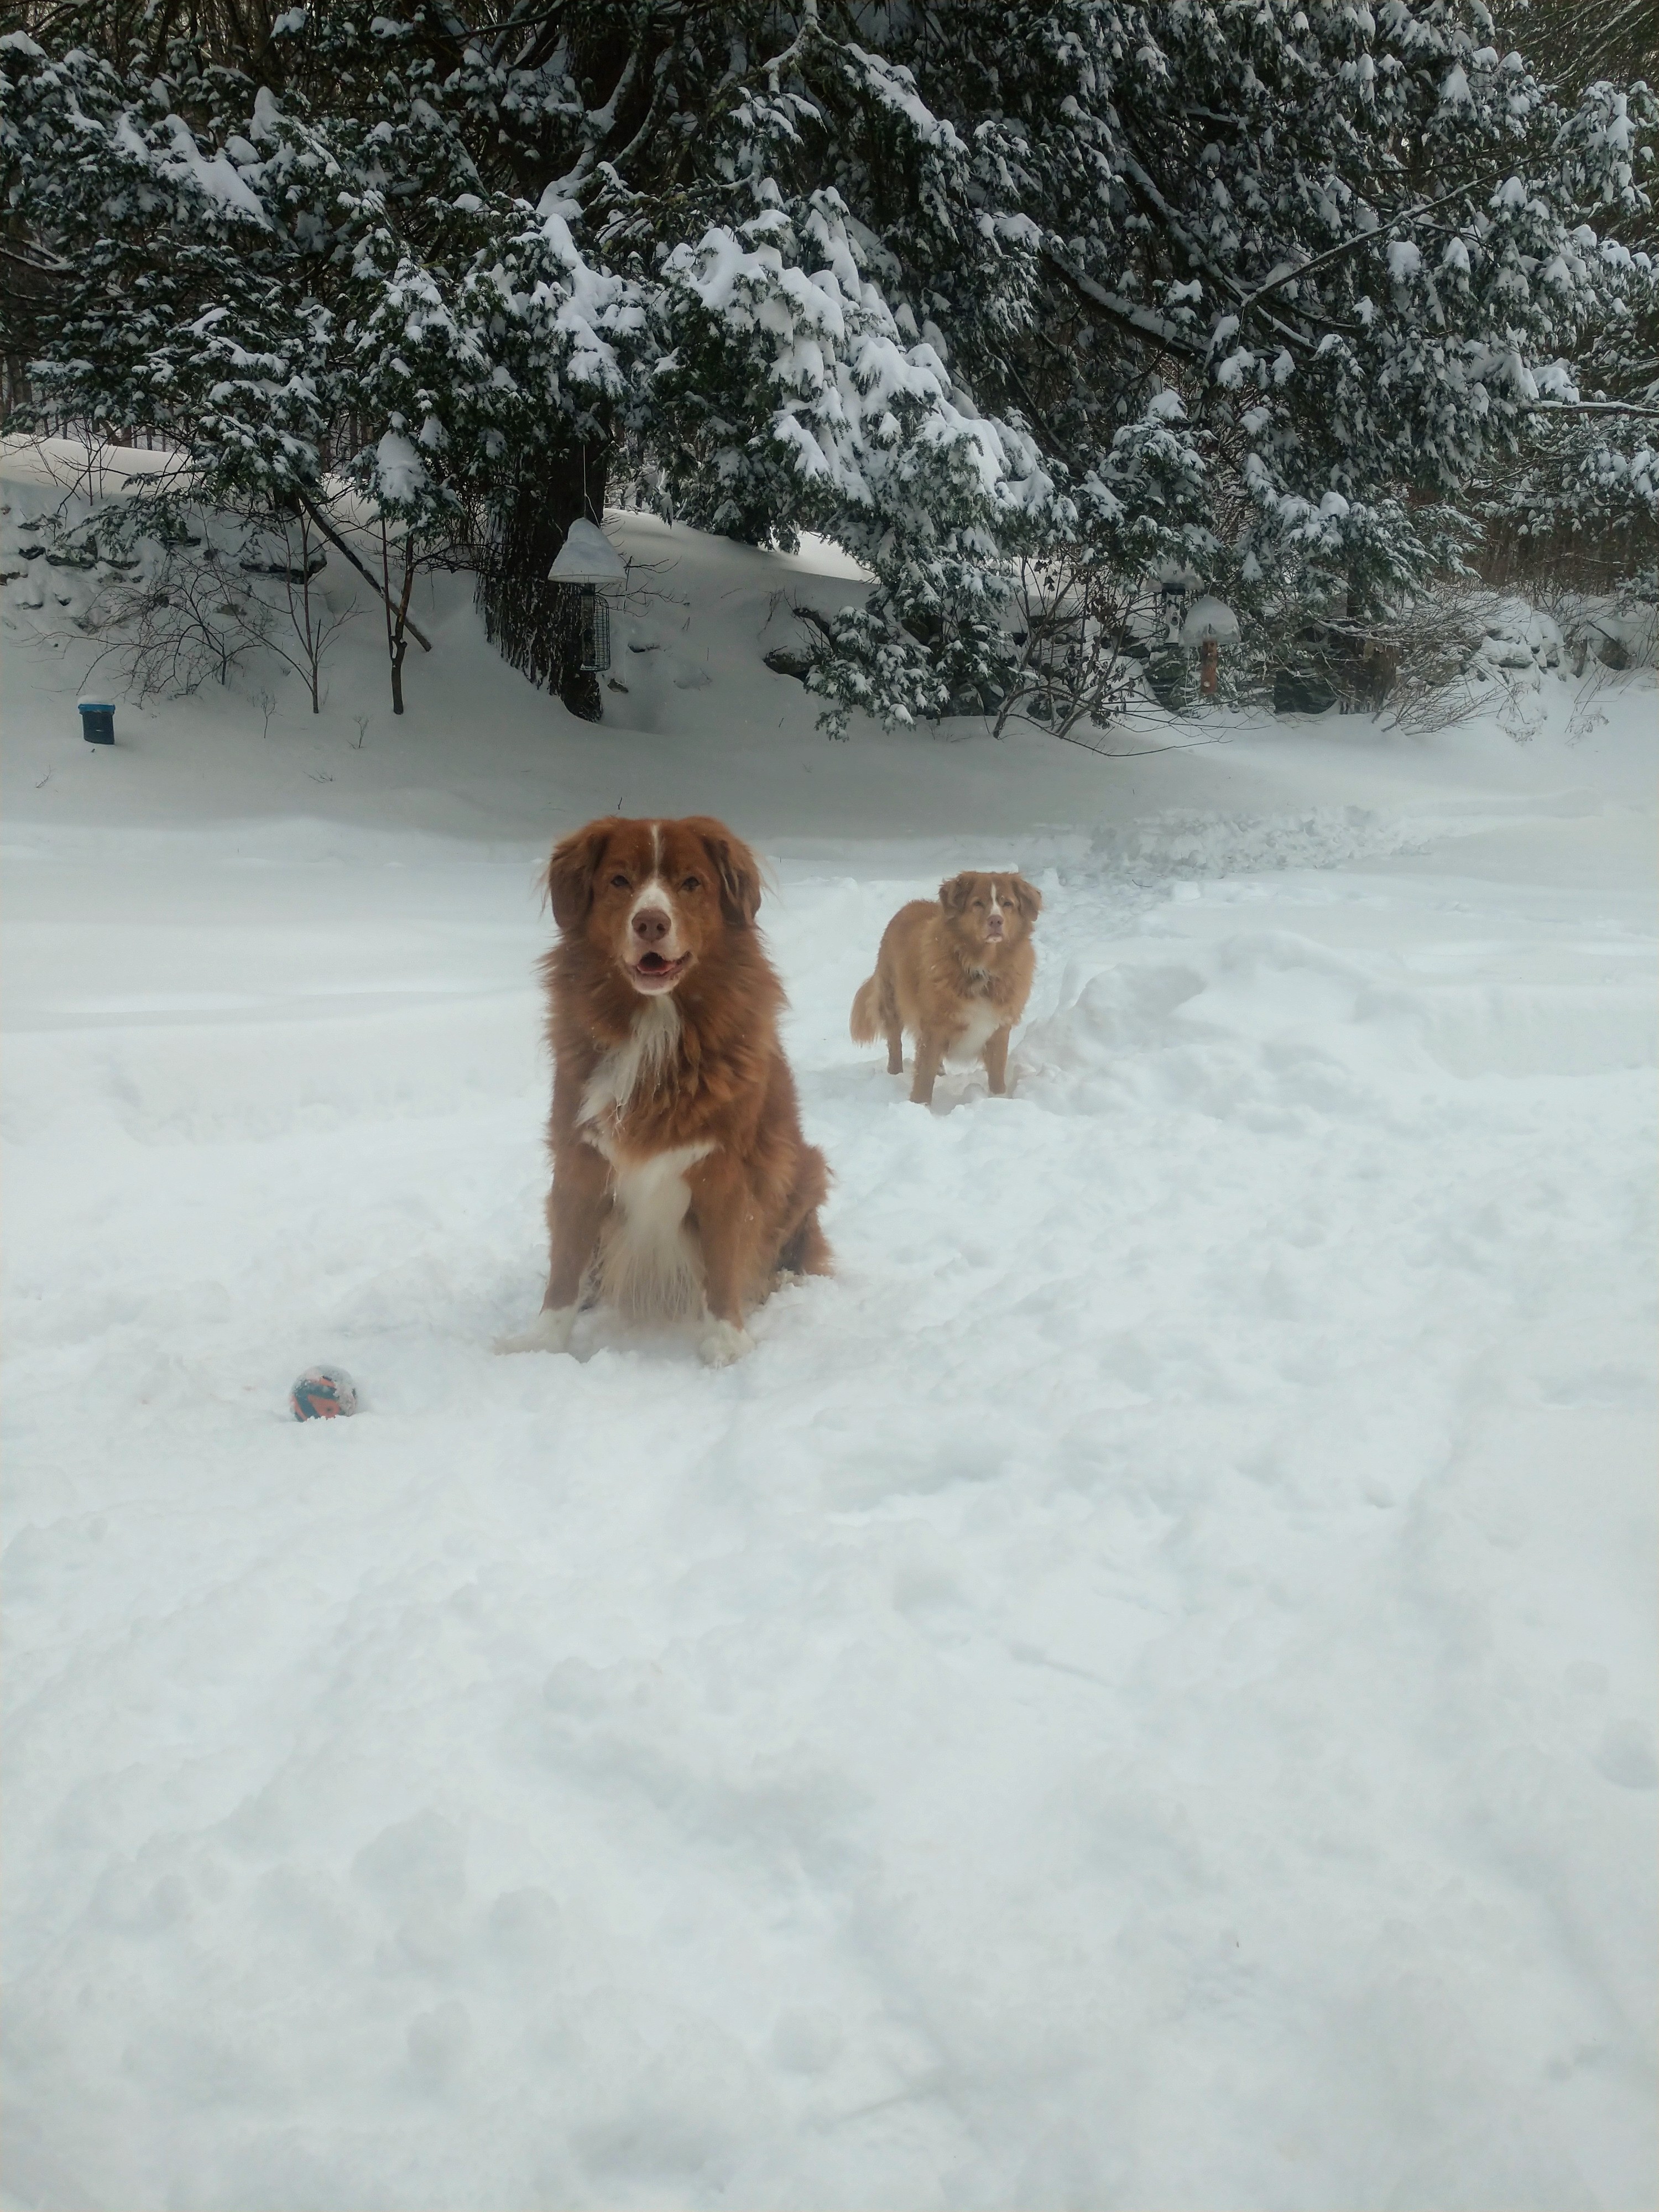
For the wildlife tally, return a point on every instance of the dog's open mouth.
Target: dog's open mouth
(651, 972)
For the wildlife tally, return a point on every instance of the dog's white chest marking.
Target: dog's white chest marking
(650, 1264)
(981, 1020)
(619, 1075)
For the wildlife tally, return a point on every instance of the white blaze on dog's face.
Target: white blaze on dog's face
(655, 949)
(658, 896)
(992, 908)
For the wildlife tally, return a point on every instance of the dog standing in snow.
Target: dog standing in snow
(954, 973)
(681, 1184)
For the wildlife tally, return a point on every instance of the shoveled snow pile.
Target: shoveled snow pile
(1140, 1689)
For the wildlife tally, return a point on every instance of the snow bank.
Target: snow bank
(1140, 1689)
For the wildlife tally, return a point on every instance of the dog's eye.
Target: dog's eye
(692, 884)
(980, 903)
(619, 883)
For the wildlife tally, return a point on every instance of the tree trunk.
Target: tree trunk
(536, 625)
(397, 621)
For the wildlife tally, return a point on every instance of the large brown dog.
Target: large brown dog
(955, 972)
(681, 1184)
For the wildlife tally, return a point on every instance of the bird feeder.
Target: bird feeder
(590, 565)
(1174, 587)
(1208, 623)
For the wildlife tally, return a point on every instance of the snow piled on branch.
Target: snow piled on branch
(179, 161)
(854, 399)
(588, 308)
(400, 475)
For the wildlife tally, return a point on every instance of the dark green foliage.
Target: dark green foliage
(990, 293)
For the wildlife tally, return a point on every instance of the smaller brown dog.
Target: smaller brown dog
(955, 972)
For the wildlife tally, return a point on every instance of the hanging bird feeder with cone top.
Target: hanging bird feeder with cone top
(589, 563)
(1208, 623)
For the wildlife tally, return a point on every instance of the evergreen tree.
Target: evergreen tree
(1592, 474)
(1255, 287)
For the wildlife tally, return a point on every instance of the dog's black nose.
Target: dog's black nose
(651, 923)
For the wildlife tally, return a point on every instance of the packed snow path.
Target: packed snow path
(1138, 1692)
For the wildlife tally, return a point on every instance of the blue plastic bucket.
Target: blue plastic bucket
(97, 722)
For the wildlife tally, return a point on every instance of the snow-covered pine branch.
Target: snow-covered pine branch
(1288, 283)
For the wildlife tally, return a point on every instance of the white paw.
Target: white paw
(723, 1342)
(549, 1332)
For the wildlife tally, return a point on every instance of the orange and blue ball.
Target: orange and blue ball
(322, 1394)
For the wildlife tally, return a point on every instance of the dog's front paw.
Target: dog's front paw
(549, 1332)
(723, 1341)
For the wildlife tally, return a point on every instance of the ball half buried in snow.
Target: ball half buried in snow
(321, 1393)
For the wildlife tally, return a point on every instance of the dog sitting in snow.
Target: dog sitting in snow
(681, 1184)
(954, 973)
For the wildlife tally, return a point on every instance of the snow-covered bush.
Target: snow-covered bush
(1514, 636)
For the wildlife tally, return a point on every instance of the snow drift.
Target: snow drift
(1140, 1689)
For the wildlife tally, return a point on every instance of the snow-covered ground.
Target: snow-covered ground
(1140, 1692)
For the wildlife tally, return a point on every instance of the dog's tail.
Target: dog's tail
(866, 1023)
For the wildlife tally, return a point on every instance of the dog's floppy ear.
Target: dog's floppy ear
(1028, 898)
(570, 872)
(955, 892)
(738, 872)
